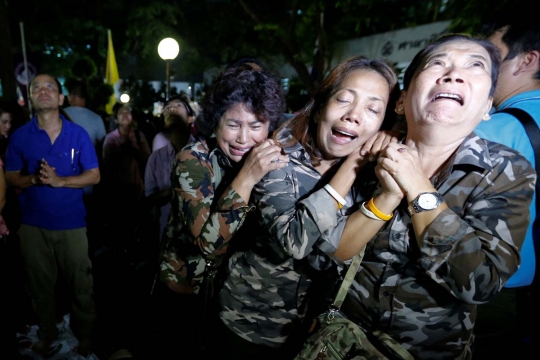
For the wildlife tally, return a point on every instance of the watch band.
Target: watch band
(411, 209)
(414, 207)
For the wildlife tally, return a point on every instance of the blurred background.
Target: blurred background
(301, 40)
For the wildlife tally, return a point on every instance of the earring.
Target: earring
(399, 110)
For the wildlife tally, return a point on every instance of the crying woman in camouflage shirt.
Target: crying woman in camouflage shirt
(264, 296)
(212, 180)
(446, 221)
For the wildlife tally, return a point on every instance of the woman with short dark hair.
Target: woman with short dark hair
(212, 180)
(243, 106)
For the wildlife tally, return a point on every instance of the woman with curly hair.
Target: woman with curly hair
(212, 180)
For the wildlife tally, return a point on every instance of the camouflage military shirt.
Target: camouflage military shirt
(264, 294)
(199, 226)
(426, 297)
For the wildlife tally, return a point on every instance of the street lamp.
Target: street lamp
(168, 50)
(124, 98)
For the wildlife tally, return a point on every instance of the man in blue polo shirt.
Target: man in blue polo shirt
(518, 38)
(51, 159)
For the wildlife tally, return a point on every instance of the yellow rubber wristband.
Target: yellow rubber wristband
(368, 213)
(378, 213)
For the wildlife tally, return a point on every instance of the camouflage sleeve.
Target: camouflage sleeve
(329, 240)
(321, 254)
(210, 230)
(295, 224)
(472, 250)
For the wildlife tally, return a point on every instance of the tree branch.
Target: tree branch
(288, 49)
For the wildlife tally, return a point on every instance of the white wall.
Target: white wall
(398, 46)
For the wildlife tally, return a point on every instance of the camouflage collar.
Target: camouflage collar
(471, 154)
(296, 150)
(223, 161)
(473, 151)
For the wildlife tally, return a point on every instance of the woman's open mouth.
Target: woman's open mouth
(239, 151)
(343, 135)
(448, 96)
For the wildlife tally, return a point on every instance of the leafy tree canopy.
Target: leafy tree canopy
(215, 32)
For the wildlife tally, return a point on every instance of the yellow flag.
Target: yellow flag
(111, 72)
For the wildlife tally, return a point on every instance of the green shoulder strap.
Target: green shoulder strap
(347, 281)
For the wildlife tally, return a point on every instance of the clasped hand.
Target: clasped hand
(371, 149)
(399, 170)
(47, 175)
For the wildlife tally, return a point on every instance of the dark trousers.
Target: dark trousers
(173, 325)
(8, 313)
(234, 347)
(48, 254)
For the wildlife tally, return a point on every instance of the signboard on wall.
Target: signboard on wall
(398, 47)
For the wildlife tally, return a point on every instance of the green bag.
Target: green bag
(337, 338)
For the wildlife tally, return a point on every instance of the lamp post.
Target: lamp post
(168, 50)
(124, 98)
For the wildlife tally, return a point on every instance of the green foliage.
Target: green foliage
(60, 33)
(369, 17)
(148, 24)
(297, 96)
(142, 94)
(101, 95)
(214, 33)
(83, 68)
(303, 31)
(477, 12)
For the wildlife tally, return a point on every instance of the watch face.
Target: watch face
(427, 201)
